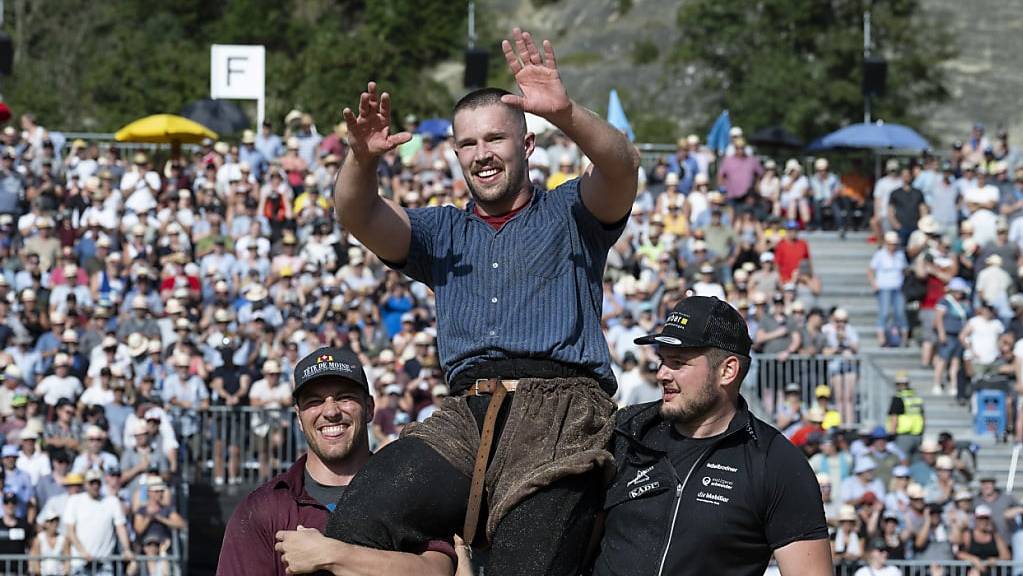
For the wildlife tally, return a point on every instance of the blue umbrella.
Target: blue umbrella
(718, 139)
(616, 115)
(437, 127)
(878, 136)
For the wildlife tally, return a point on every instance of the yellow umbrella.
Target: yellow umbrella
(163, 129)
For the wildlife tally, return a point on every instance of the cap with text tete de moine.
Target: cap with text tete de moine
(703, 322)
(329, 363)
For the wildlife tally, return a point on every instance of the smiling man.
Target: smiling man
(702, 485)
(517, 277)
(278, 524)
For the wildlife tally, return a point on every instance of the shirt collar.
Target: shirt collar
(293, 480)
(636, 425)
(535, 191)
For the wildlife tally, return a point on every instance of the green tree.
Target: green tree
(86, 65)
(797, 63)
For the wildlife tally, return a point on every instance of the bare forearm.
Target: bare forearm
(355, 191)
(72, 537)
(606, 147)
(921, 536)
(122, 536)
(381, 225)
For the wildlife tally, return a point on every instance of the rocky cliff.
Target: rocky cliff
(599, 49)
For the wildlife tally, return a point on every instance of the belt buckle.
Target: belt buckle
(476, 386)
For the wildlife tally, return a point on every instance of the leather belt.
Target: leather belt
(500, 390)
(486, 386)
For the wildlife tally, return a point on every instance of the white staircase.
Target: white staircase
(841, 265)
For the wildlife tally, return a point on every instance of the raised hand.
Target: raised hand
(369, 134)
(543, 93)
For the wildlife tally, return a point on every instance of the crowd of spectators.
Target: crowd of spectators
(950, 272)
(879, 509)
(138, 296)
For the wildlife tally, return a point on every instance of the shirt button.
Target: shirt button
(493, 300)
(494, 265)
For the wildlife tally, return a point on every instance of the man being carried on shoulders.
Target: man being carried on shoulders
(517, 277)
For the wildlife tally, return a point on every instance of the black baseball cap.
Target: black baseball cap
(329, 363)
(703, 322)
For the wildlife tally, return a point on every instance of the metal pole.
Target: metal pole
(472, 25)
(866, 54)
(1011, 480)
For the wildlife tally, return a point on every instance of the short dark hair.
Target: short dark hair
(489, 97)
(715, 356)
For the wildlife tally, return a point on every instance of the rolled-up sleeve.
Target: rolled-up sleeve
(425, 224)
(597, 235)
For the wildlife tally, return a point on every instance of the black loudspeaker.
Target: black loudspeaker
(6, 54)
(477, 63)
(875, 76)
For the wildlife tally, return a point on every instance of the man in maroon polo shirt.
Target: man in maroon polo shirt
(334, 406)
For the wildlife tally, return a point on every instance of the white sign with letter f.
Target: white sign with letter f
(239, 73)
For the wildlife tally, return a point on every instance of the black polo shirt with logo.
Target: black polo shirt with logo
(718, 505)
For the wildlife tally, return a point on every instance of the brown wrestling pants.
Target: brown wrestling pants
(544, 482)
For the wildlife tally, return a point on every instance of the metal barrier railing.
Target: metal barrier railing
(24, 565)
(869, 391)
(251, 445)
(875, 393)
(240, 443)
(931, 567)
(117, 565)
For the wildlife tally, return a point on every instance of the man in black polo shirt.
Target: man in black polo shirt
(702, 485)
(906, 207)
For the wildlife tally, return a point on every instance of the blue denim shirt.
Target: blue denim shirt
(530, 290)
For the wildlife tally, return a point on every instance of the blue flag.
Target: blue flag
(616, 115)
(718, 138)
